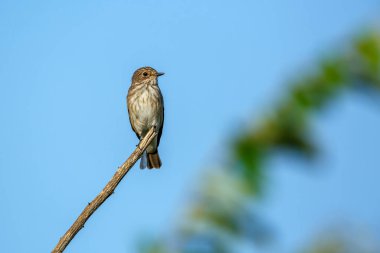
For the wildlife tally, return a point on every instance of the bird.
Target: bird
(146, 110)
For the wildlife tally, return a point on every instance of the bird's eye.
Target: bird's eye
(145, 74)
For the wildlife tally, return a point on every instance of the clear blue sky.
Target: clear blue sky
(65, 68)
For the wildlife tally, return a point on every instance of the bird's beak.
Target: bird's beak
(160, 73)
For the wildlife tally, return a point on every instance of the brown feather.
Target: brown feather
(154, 160)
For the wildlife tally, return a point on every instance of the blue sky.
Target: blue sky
(65, 68)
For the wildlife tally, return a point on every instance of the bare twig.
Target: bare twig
(105, 193)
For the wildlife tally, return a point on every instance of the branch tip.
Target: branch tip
(105, 193)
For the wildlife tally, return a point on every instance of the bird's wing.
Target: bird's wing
(130, 121)
(162, 126)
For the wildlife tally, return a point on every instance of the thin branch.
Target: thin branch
(105, 193)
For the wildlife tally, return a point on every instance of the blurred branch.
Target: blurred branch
(289, 125)
(222, 210)
(105, 193)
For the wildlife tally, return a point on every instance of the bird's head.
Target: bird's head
(145, 74)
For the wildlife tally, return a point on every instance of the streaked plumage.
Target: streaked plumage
(146, 109)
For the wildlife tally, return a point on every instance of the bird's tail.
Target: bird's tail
(154, 160)
(144, 161)
(150, 160)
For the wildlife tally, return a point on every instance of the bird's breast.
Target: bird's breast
(146, 107)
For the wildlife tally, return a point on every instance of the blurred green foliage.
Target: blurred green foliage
(223, 211)
(342, 239)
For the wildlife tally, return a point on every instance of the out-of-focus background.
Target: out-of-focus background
(271, 139)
